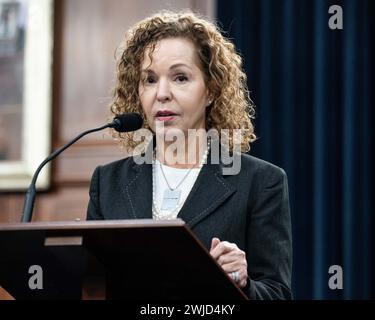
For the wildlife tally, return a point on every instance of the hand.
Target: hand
(230, 258)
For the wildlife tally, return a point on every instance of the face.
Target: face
(172, 89)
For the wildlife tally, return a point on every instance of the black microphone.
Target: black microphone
(123, 123)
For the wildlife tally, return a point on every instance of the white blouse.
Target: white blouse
(174, 177)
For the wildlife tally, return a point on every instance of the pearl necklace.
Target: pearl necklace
(156, 212)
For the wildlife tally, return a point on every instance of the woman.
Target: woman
(185, 78)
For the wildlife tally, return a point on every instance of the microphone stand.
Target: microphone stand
(31, 191)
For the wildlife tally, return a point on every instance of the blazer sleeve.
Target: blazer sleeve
(93, 209)
(269, 247)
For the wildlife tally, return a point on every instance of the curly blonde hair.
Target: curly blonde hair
(225, 79)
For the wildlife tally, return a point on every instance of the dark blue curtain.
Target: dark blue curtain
(313, 89)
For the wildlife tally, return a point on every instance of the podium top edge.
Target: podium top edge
(92, 224)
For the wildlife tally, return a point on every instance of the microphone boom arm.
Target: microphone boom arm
(31, 191)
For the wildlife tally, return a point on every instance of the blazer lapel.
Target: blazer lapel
(209, 192)
(138, 191)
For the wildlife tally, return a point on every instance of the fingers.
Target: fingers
(234, 265)
(230, 258)
(240, 269)
(236, 255)
(222, 248)
(243, 282)
(241, 273)
(214, 243)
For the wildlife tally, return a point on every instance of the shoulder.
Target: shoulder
(114, 168)
(261, 169)
(117, 164)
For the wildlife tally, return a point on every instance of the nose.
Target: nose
(164, 93)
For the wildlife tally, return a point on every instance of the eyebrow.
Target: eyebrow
(175, 66)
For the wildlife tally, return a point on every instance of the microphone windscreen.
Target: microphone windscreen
(127, 122)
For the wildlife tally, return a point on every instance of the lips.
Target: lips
(166, 115)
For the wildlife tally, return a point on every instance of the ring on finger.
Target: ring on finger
(235, 276)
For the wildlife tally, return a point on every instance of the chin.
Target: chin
(168, 132)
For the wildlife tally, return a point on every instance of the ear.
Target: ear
(209, 99)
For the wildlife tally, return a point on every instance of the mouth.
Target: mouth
(166, 115)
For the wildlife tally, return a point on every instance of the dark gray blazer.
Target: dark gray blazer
(250, 209)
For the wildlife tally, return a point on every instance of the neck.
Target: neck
(183, 154)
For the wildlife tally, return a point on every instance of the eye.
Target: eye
(181, 78)
(149, 79)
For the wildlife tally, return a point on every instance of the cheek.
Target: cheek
(145, 102)
(197, 105)
(193, 101)
(200, 95)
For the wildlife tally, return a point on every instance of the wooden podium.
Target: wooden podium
(113, 259)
